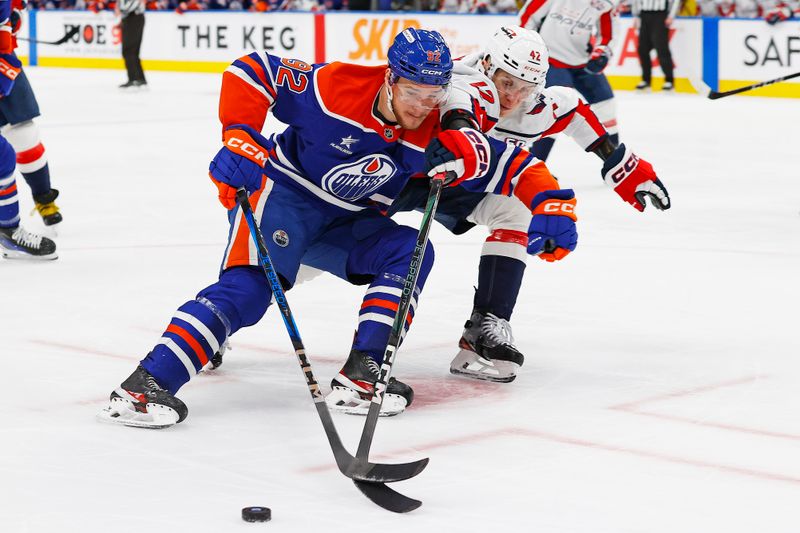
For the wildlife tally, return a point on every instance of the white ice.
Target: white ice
(660, 392)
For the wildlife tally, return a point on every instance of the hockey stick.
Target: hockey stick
(72, 32)
(370, 473)
(386, 497)
(702, 88)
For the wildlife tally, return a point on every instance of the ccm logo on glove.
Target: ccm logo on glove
(239, 142)
(622, 172)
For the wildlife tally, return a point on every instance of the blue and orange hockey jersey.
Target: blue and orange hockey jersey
(336, 148)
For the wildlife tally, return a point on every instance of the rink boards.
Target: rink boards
(726, 53)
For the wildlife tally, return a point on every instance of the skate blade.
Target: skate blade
(349, 402)
(469, 364)
(121, 412)
(17, 255)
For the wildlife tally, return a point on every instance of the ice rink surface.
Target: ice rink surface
(659, 394)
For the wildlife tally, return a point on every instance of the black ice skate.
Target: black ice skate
(353, 386)
(19, 243)
(141, 402)
(47, 208)
(487, 350)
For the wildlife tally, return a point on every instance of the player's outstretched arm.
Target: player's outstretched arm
(634, 179)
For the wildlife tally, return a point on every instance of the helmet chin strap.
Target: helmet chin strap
(390, 96)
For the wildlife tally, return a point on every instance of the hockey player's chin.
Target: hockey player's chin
(409, 121)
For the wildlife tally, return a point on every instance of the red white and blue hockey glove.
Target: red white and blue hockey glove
(634, 179)
(465, 153)
(598, 61)
(779, 14)
(10, 68)
(552, 233)
(239, 163)
(6, 38)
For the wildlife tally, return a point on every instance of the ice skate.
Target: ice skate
(487, 350)
(141, 402)
(353, 386)
(19, 243)
(47, 208)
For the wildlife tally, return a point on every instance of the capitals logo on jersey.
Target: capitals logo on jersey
(353, 181)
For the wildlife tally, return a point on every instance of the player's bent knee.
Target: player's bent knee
(242, 295)
(501, 213)
(22, 136)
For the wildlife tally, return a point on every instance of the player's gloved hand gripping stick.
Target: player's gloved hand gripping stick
(370, 477)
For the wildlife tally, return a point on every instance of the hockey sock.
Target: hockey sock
(31, 156)
(377, 313)
(500, 272)
(9, 203)
(194, 334)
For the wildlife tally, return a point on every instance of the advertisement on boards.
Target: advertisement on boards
(755, 51)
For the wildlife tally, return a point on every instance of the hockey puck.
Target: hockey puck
(256, 514)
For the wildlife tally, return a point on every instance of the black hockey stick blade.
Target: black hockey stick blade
(386, 497)
(72, 32)
(385, 473)
(364, 471)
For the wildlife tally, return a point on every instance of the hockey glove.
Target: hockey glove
(239, 163)
(552, 233)
(598, 61)
(779, 14)
(10, 68)
(634, 179)
(465, 153)
(6, 38)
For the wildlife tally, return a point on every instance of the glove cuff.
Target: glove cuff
(239, 140)
(559, 202)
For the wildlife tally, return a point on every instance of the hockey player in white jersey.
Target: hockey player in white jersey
(568, 27)
(510, 76)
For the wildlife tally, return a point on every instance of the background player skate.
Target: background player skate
(15, 241)
(568, 27)
(515, 66)
(318, 190)
(17, 111)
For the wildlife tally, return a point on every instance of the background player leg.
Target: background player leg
(15, 241)
(643, 49)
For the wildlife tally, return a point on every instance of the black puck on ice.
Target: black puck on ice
(256, 514)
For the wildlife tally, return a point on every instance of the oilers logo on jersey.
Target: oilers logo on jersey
(353, 181)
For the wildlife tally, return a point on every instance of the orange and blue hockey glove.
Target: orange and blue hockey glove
(634, 179)
(552, 233)
(239, 163)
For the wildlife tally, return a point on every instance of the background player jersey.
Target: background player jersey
(567, 27)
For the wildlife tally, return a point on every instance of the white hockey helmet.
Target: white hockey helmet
(520, 52)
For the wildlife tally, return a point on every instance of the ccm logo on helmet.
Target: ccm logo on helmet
(622, 172)
(243, 146)
(434, 72)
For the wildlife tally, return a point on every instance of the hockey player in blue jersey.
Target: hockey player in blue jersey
(18, 109)
(15, 241)
(320, 190)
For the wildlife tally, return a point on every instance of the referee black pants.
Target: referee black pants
(653, 33)
(132, 31)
